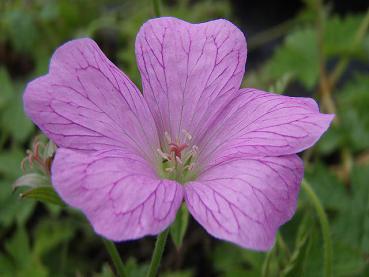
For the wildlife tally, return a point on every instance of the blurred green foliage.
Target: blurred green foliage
(48, 240)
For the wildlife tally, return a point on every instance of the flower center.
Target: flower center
(178, 158)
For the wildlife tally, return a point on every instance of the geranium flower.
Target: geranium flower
(128, 160)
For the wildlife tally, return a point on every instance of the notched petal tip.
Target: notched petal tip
(245, 200)
(263, 123)
(85, 102)
(189, 71)
(117, 191)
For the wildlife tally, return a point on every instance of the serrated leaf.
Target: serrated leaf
(44, 194)
(355, 121)
(179, 227)
(341, 42)
(298, 57)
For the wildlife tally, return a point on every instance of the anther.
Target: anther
(163, 155)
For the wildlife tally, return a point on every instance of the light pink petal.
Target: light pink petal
(245, 200)
(265, 124)
(86, 103)
(118, 192)
(189, 71)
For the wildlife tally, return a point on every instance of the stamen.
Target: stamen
(180, 155)
(163, 155)
(178, 159)
(187, 135)
(167, 137)
(190, 166)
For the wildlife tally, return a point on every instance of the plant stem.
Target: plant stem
(324, 83)
(158, 253)
(328, 251)
(114, 254)
(266, 263)
(157, 8)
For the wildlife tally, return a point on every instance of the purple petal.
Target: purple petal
(87, 103)
(265, 124)
(117, 191)
(189, 71)
(245, 200)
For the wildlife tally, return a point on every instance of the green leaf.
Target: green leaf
(44, 194)
(51, 233)
(106, 271)
(14, 119)
(18, 246)
(355, 121)
(21, 28)
(325, 183)
(236, 262)
(10, 163)
(179, 227)
(133, 269)
(297, 57)
(352, 225)
(19, 251)
(12, 209)
(339, 36)
(6, 88)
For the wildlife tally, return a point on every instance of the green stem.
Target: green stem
(158, 253)
(114, 254)
(266, 264)
(328, 251)
(157, 9)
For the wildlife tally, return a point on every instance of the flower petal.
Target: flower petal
(117, 191)
(265, 124)
(87, 103)
(189, 71)
(245, 200)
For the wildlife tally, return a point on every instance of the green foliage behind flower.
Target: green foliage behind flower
(47, 240)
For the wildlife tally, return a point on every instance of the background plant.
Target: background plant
(317, 52)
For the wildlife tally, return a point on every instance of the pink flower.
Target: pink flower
(128, 160)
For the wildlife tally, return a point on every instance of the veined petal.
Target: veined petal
(245, 200)
(86, 103)
(265, 124)
(117, 191)
(189, 71)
